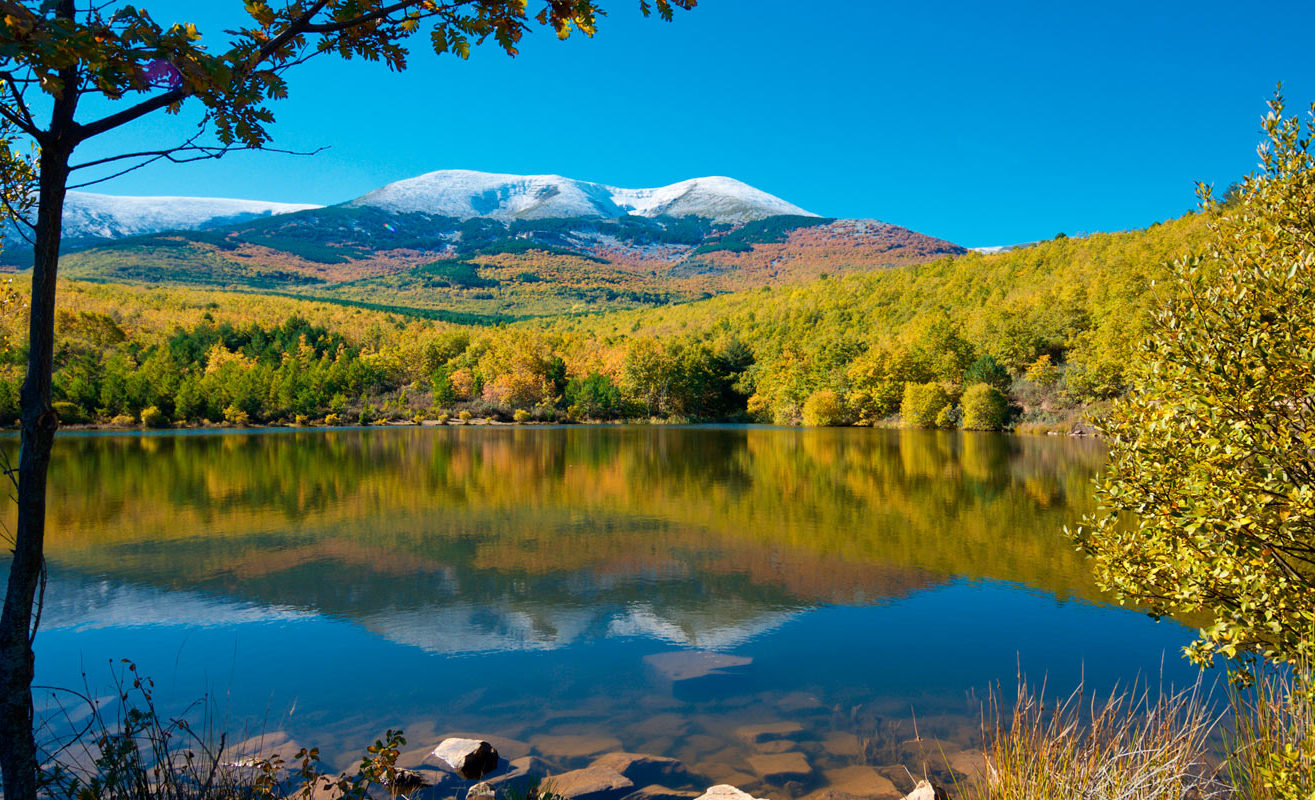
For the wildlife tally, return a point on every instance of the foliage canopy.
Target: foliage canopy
(1208, 503)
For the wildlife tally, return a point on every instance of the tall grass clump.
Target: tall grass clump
(1271, 743)
(1131, 745)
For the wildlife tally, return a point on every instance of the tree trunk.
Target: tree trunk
(18, 756)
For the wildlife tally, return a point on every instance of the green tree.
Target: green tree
(987, 370)
(129, 66)
(594, 396)
(1208, 503)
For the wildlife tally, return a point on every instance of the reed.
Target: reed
(1130, 745)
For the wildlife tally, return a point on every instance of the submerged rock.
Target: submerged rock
(659, 792)
(472, 759)
(590, 783)
(771, 731)
(861, 781)
(780, 767)
(644, 769)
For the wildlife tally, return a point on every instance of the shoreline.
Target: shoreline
(1081, 431)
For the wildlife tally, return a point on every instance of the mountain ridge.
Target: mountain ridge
(467, 194)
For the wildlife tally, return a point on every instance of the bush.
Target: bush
(333, 419)
(521, 415)
(236, 416)
(949, 417)
(69, 413)
(923, 403)
(123, 421)
(465, 416)
(153, 417)
(824, 409)
(985, 408)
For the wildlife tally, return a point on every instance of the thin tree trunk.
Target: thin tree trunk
(18, 756)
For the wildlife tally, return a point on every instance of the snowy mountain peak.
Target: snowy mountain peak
(88, 215)
(466, 194)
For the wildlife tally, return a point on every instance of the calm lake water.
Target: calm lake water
(578, 588)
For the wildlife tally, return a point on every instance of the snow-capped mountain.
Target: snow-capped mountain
(466, 194)
(88, 215)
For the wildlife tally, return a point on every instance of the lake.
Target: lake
(576, 589)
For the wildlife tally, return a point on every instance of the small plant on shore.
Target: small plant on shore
(153, 417)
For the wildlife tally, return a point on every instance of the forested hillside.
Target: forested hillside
(1031, 336)
(495, 270)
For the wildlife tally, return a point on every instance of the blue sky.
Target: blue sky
(983, 123)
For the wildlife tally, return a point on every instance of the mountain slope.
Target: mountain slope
(524, 267)
(466, 194)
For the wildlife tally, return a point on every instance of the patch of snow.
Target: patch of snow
(1000, 248)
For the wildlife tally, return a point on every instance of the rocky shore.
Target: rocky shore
(776, 763)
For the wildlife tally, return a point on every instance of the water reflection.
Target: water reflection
(298, 569)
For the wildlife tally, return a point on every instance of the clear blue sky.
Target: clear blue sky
(984, 123)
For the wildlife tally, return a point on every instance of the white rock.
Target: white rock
(472, 759)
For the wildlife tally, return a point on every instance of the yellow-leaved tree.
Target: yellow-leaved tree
(1208, 502)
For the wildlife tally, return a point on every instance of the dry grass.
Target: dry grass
(1131, 745)
(1271, 743)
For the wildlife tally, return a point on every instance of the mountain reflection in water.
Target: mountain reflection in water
(513, 580)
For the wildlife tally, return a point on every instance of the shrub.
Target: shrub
(985, 408)
(823, 409)
(759, 408)
(333, 419)
(123, 421)
(443, 417)
(521, 415)
(923, 403)
(949, 417)
(70, 413)
(465, 416)
(299, 419)
(236, 416)
(153, 417)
